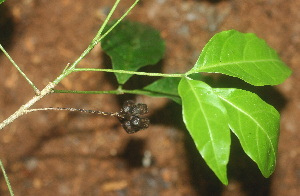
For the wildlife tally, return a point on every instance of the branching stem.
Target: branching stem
(23, 108)
(69, 68)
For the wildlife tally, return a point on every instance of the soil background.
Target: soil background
(67, 153)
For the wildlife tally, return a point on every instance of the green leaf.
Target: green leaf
(1, 1)
(206, 119)
(132, 45)
(165, 87)
(244, 56)
(168, 87)
(255, 123)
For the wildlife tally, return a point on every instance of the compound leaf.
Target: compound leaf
(132, 45)
(165, 87)
(244, 56)
(255, 123)
(206, 120)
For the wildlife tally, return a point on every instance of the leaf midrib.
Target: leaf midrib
(210, 134)
(258, 124)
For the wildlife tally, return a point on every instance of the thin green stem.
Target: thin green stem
(13, 62)
(68, 69)
(119, 91)
(89, 48)
(105, 23)
(130, 72)
(95, 41)
(116, 92)
(118, 21)
(6, 179)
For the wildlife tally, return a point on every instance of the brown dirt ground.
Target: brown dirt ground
(64, 153)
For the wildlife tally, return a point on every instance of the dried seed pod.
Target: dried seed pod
(129, 117)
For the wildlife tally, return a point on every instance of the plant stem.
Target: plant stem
(68, 69)
(89, 48)
(36, 90)
(118, 21)
(23, 108)
(118, 92)
(95, 41)
(6, 179)
(130, 72)
(115, 92)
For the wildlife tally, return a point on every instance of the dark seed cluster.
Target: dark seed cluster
(130, 118)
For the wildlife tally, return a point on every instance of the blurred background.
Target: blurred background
(65, 153)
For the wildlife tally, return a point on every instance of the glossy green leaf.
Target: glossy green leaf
(244, 56)
(165, 87)
(168, 87)
(206, 120)
(1, 1)
(132, 45)
(255, 123)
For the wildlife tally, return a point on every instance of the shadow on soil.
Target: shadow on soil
(133, 153)
(6, 27)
